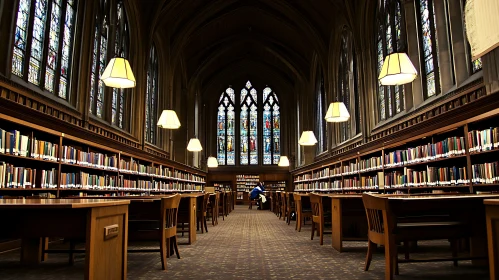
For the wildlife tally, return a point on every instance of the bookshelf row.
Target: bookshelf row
(462, 159)
(34, 158)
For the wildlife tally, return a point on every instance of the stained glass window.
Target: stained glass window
(429, 57)
(320, 111)
(226, 128)
(152, 97)
(121, 43)
(344, 83)
(271, 127)
(249, 125)
(52, 18)
(391, 38)
(111, 38)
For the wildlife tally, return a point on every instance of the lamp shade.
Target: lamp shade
(212, 162)
(283, 161)
(307, 138)
(118, 74)
(337, 112)
(168, 119)
(194, 145)
(397, 70)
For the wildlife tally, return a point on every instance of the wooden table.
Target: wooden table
(347, 209)
(142, 208)
(492, 217)
(102, 223)
(469, 208)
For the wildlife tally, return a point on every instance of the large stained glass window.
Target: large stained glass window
(239, 132)
(271, 127)
(99, 58)
(249, 125)
(152, 97)
(121, 43)
(429, 47)
(225, 128)
(391, 99)
(43, 41)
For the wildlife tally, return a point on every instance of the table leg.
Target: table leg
(31, 250)
(336, 231)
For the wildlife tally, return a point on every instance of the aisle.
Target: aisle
(250, 244)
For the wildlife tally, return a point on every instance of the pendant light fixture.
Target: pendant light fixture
(212, 162)
(397, 70)
(307, 138)
(194, 145)
(118, 74)
(337, 112)
(283, 161)
(168, 120)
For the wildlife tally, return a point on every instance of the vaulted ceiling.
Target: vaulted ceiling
(271, 41)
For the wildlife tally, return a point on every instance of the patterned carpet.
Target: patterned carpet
(252, 244)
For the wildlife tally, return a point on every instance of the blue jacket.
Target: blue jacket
(256, 192)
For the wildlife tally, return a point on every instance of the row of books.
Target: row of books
(485, 173)
(452, 146)
(14, 143)
(432, 176)
(72, 155)
(26, 178)
(483, 140)
(371, 164)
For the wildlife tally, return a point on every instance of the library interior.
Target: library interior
(249, 139)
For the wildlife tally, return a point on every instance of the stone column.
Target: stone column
(444, 49)
(459, 42)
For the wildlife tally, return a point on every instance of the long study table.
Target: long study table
(101, 222)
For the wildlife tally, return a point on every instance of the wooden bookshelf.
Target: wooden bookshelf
(38, 161)
(456, 158)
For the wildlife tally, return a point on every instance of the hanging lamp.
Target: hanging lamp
(397, 70)
(212, 162)
(337, 112)
(194, 145)
(307, 138)
(118, 74)
(168, 120)
(283, 161)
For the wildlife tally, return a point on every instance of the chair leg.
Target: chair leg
(162, 250)
(389, 265)
(175, 244)
(371, 247)
(453, 244)
(321, 233)
(313, 231)
(71, 252)
(205, 225)
(299, 224)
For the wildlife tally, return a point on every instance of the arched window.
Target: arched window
(249, 125)
(99, 58)
(320, 97)
(428, 44)
(391, 38)
(111, 38)
(43, 43)
(121, 43)
(225, 129)
(271, 127)
(347, 87)
(254, 106)
(152, 97)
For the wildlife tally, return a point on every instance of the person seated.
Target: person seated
(257, 193)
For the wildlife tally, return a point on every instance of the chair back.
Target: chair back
(169, 212)
(379, 219)
(206, 199)
(316, 204)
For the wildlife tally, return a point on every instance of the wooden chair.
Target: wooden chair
(283, 206)
(387, 230)
(290, 206)
(302, 213)
(164, 229)
(221, 204)
(201, 213)
(319, 217)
